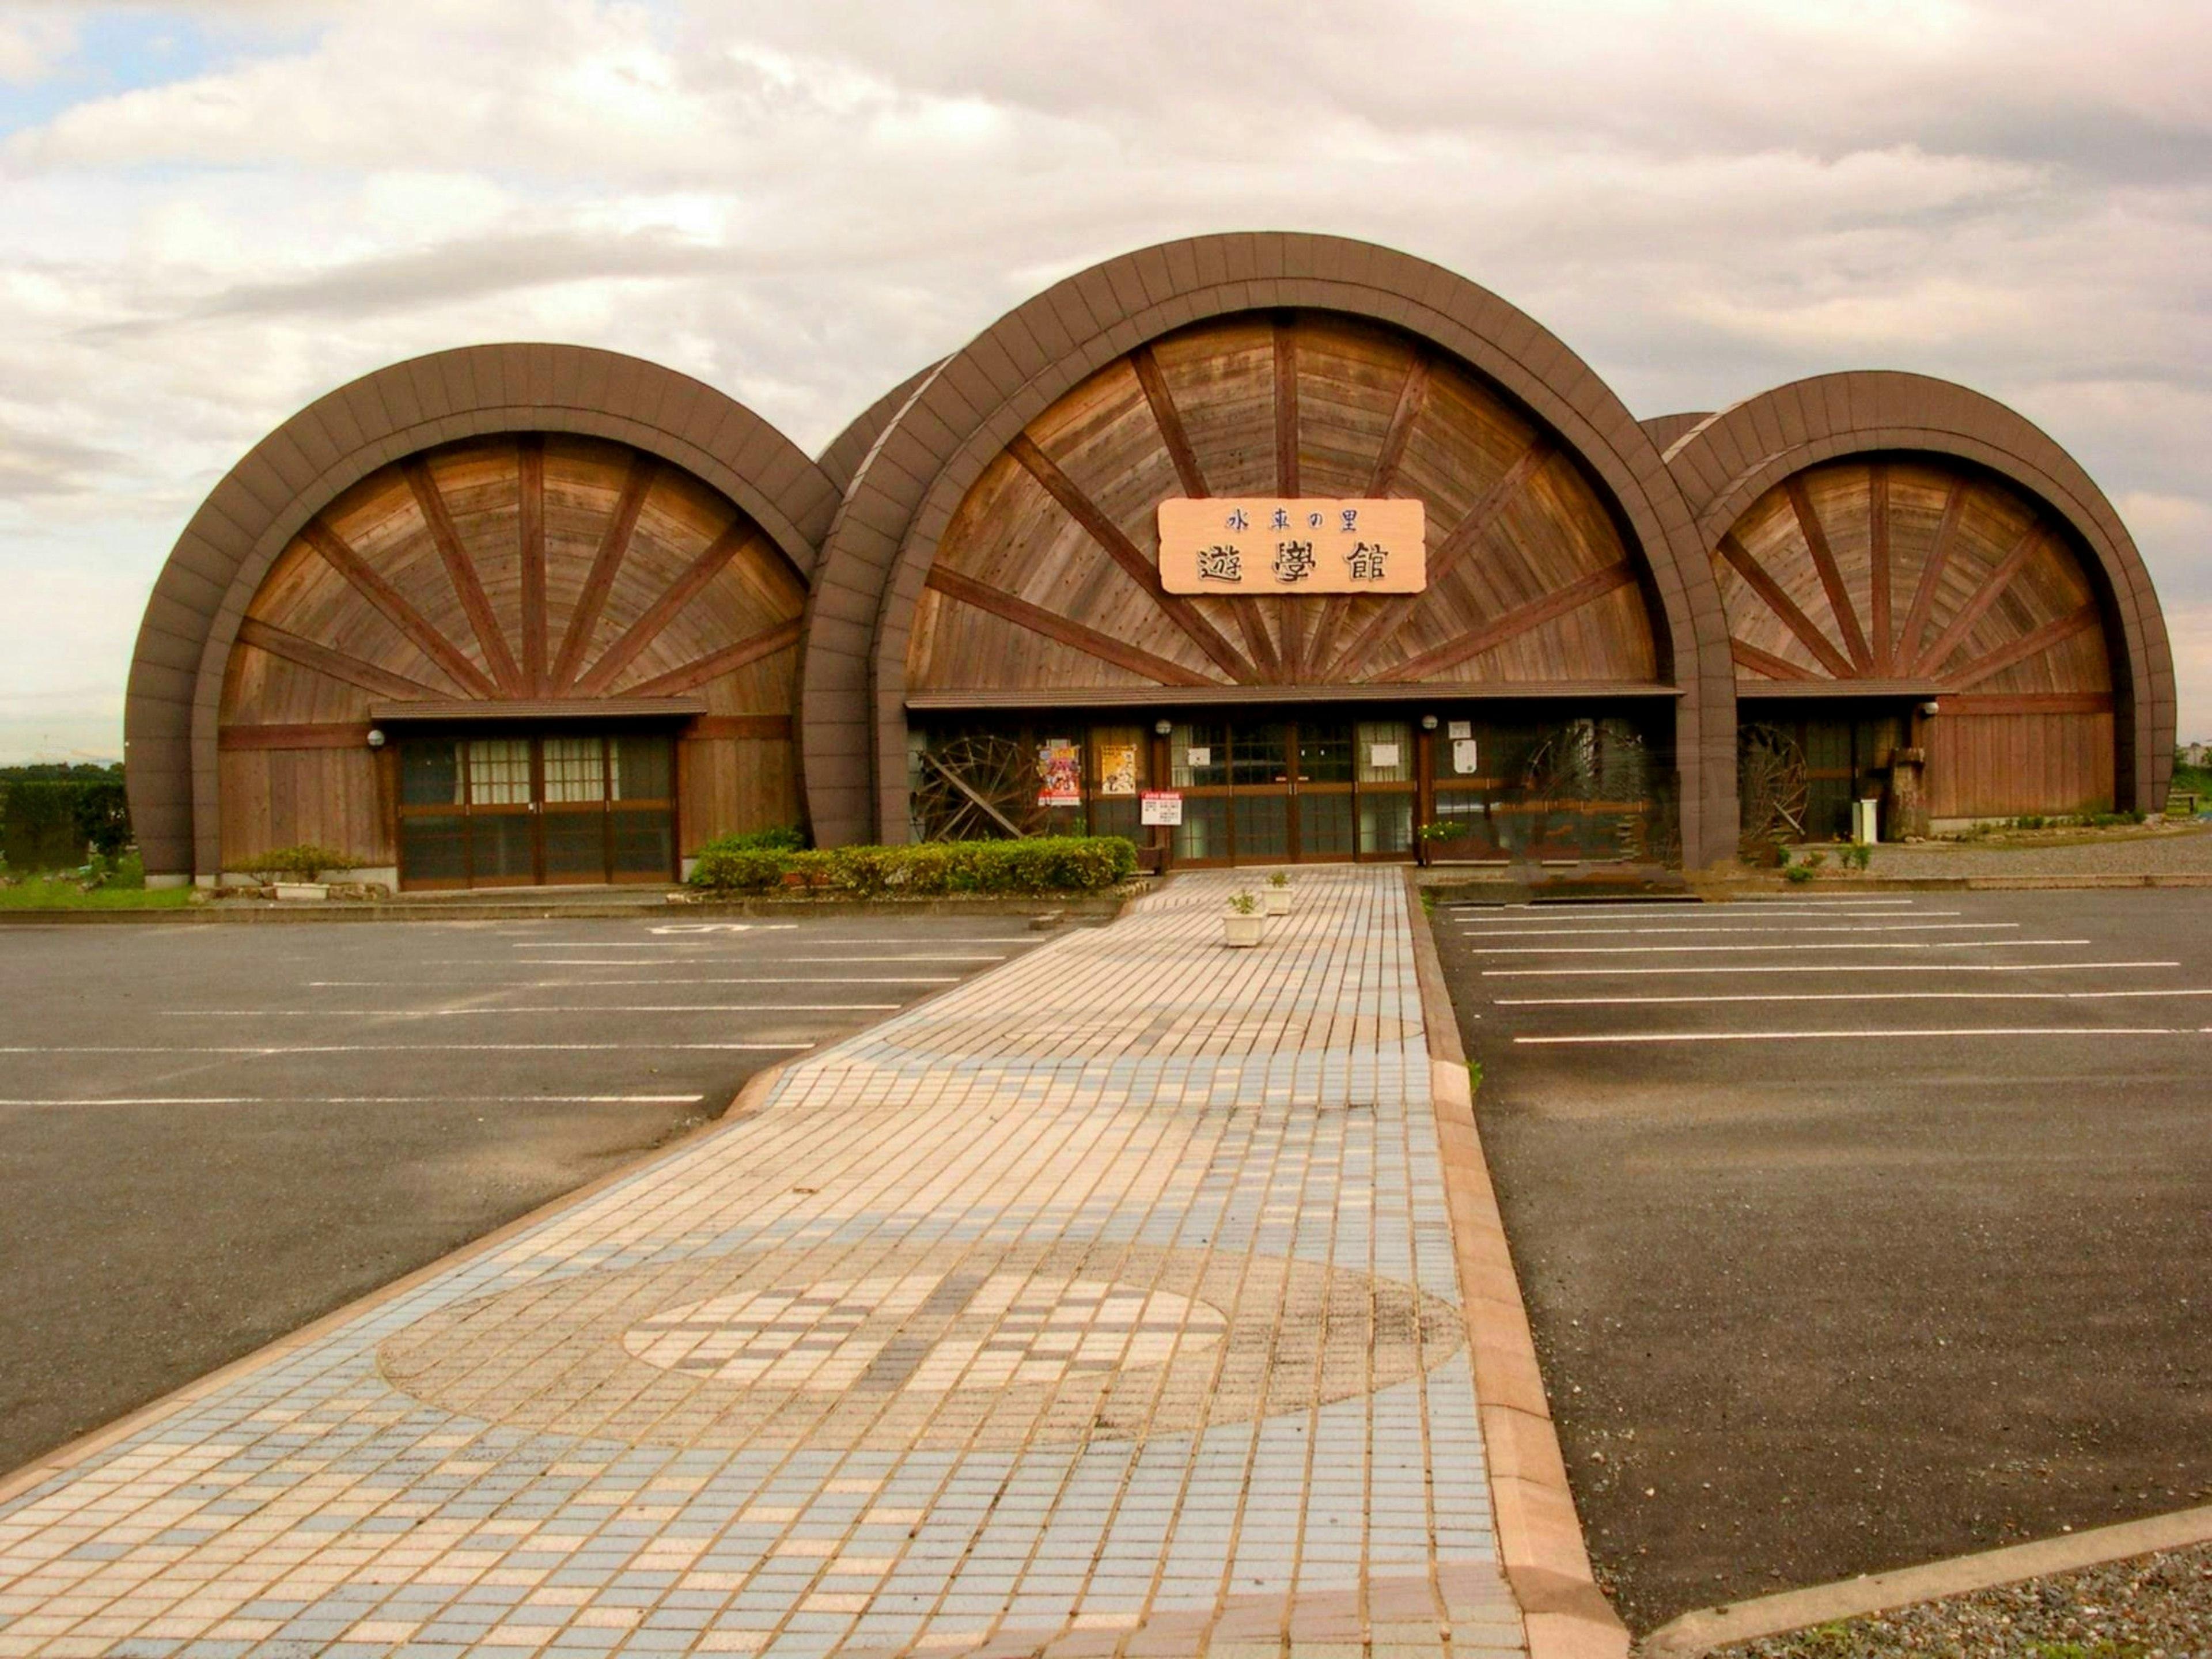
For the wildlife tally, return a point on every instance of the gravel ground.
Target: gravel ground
(2154, 1606)
(2180, 851)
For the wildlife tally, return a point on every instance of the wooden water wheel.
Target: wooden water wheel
(1771, 770)
(976, 788)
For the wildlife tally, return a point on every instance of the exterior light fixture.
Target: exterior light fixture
(376, 736)
(1163, 727)
(1929, 706)
(1428, 722)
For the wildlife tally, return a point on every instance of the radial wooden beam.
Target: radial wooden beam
(1740, 559)
(1289, 613)
(1125, 553)
(461, 571)
(1931, 574)
(1053, 626)
(715, 664)
(339, 555)
(1516, 622)
(1831, 578)
(338, 664)
(532, 469)
(1988, 594)
(1412, 395)
(1191, 477)
(1885, 650)
(1775, 668)
(703, 569)
(1394, 613)
(606, 565)
(2033, 643)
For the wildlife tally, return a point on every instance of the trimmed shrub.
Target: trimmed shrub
(782, 838)
(305, 862)
(39, 826)
(1039, 865)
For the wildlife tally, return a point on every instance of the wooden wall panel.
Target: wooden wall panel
(1050, 562)
(2005, 765)
(688, 579)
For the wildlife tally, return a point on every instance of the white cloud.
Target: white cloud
(803, 204)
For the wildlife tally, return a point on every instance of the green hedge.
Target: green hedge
(1039, 865)
(48, 823)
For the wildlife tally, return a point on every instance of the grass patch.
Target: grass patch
(44, 894)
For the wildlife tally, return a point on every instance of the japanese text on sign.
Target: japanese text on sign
(1266, 545)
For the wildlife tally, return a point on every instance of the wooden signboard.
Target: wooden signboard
(1267, 545)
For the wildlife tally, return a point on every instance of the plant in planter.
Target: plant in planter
(1242, 927)
(1279, 894)
(296, 873)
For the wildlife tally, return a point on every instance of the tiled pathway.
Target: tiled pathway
(1106, 1304)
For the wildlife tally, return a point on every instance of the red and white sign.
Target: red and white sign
(1160, 806)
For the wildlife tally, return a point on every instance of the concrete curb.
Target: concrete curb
(1539, 1537)
(1837, 887)
(747, 1100)
(1701, 1632)
(1104, 909)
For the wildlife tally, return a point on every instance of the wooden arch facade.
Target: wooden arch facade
(1888, 539)
(507, 539)
(1000, 525)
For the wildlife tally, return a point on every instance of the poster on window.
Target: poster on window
(1161, 808)
(1059, 773)
(1117, 768)
(1463, 761)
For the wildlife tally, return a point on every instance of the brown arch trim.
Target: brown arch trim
(1729, 459)
(200, 598)
(842, 458)
(881, 543)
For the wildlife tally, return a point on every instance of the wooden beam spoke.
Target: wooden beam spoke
(1775, 668)
(1923, 596)
(606, 565)
(1832, 577)
(703, 569)
(1978, 607)
(1286, 408)
(339, 555)
(1739, 557)
(1054, 626)
(1885, 650)
(1168, 419)
(338, 664)
(1575, 595)
(461, 571)
(2033, 643)
(1125, 553)
(532, 469)
(1395, 613)
(715, 664)
(1412, 397)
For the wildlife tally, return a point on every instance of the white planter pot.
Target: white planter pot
(1279, 901)
(1242, 932)
(303, 892)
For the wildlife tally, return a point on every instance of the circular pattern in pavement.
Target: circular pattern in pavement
(953, 1346)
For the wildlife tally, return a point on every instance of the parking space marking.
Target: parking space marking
(1840, 996)
(399, 1048)
(1824, 967)
(1473, 931)
(537, 1008)
(692, 944)
(365, 1100)
(1860, 1033)
(563, 984)
(1670, 949)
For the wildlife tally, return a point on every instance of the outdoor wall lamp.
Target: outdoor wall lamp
(1428, 722)
(376, 736)
(1163, 727)
(1929, 706)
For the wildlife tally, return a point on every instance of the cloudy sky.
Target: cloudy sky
(212, 213)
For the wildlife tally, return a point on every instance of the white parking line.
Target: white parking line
(1839, 996)
(569, 984)
(1472, 931)
(1685, 950)
(401, 1047)
(1765, 907)
(536, 1008)
(1827, 968)
(366, 1100)
(695, 941)
(1857, 1036)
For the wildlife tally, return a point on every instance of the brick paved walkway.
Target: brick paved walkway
(1106, 1304)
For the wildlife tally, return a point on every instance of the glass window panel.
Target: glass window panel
(645, 842)
(1386, 824)
(1384, 751)
(1198, 757)
(1324, 751)
(1263, 827)
(575, 845)
(434, 848)
(499, 772)
(502, 843)
(1325, 824)
(1204, 831)
(1114, 816)
(645, 767)
(429, 773)
(1258, 755)
(575, 770)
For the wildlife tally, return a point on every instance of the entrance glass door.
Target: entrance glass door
(523, 811)
(1279, 792)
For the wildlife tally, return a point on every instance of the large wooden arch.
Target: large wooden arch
(674, 432)
(975, 408)
(1884, 529)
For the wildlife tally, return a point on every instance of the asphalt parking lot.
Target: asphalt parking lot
(1857, 1231)
(210, 1135)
